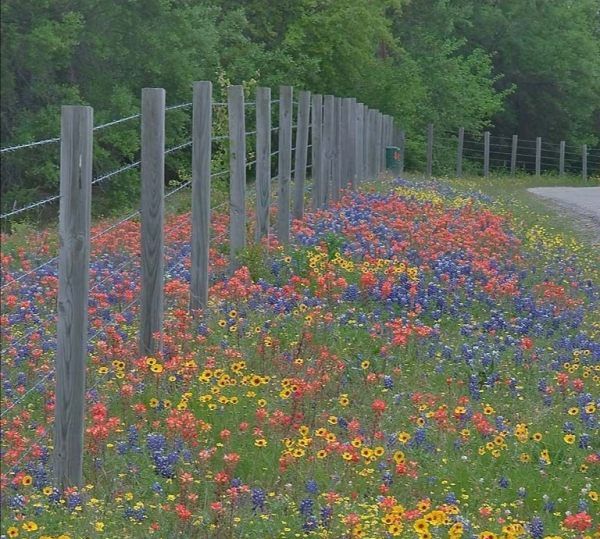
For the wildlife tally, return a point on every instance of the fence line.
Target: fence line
(348, 143)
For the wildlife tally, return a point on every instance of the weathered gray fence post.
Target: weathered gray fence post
(486, 154)
(237, 172)
(337, 166)
(351, 180)
(328, 147)
(459, 152)
(367, 142)
(284, 163)
(358, 152)
(373, 150)
(346, 115)
(538, 156)
(317, 159)
(381, 133)
(513, 155)
(584, 171)
(379, 143)
(201, 157)
(302, 125)
(429, 151)
(263, 162)
(402, 147)
(73, 277)
(152, 218)
(561, 158)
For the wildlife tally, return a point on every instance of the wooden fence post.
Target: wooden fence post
(374, 149)
(402, 146)
(486, 154)
(367, 142)
(237, 172)
(201, 158)
(538, 156)
(584, 171)
(561, 158)
(263, 162)
(513, 155)
(351, 180)
(328, 147)
(301, 155)
(316, 139)
(284, 163)
(459, 152)
(378, 143)
(152, 217)
(429, 151)
(73, 277)
(337, 166)
(346, 114)
(358, 152)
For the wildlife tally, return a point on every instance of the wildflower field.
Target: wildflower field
(419, 364)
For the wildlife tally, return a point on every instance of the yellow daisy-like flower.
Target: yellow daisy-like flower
(404, 437)
(12, 532)
(488, 410)
(26, 481)
(569, 438)
(399, 457)
(421, 526)
(260, 442)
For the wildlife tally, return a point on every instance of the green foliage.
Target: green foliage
(470, 63)
(254, 258)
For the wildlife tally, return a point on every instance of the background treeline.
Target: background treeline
(530, 67)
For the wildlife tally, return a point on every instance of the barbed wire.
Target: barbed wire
(41, 381)
(29, 145)
(31, 447)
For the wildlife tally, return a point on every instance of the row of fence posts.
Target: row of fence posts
(513, 154)
(348, 142)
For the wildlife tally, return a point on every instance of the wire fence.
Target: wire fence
(511, 154)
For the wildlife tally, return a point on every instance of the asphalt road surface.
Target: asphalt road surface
(581, 204)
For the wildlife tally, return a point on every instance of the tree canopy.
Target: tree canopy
(530, 67)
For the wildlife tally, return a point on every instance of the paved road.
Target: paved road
(582, 204)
